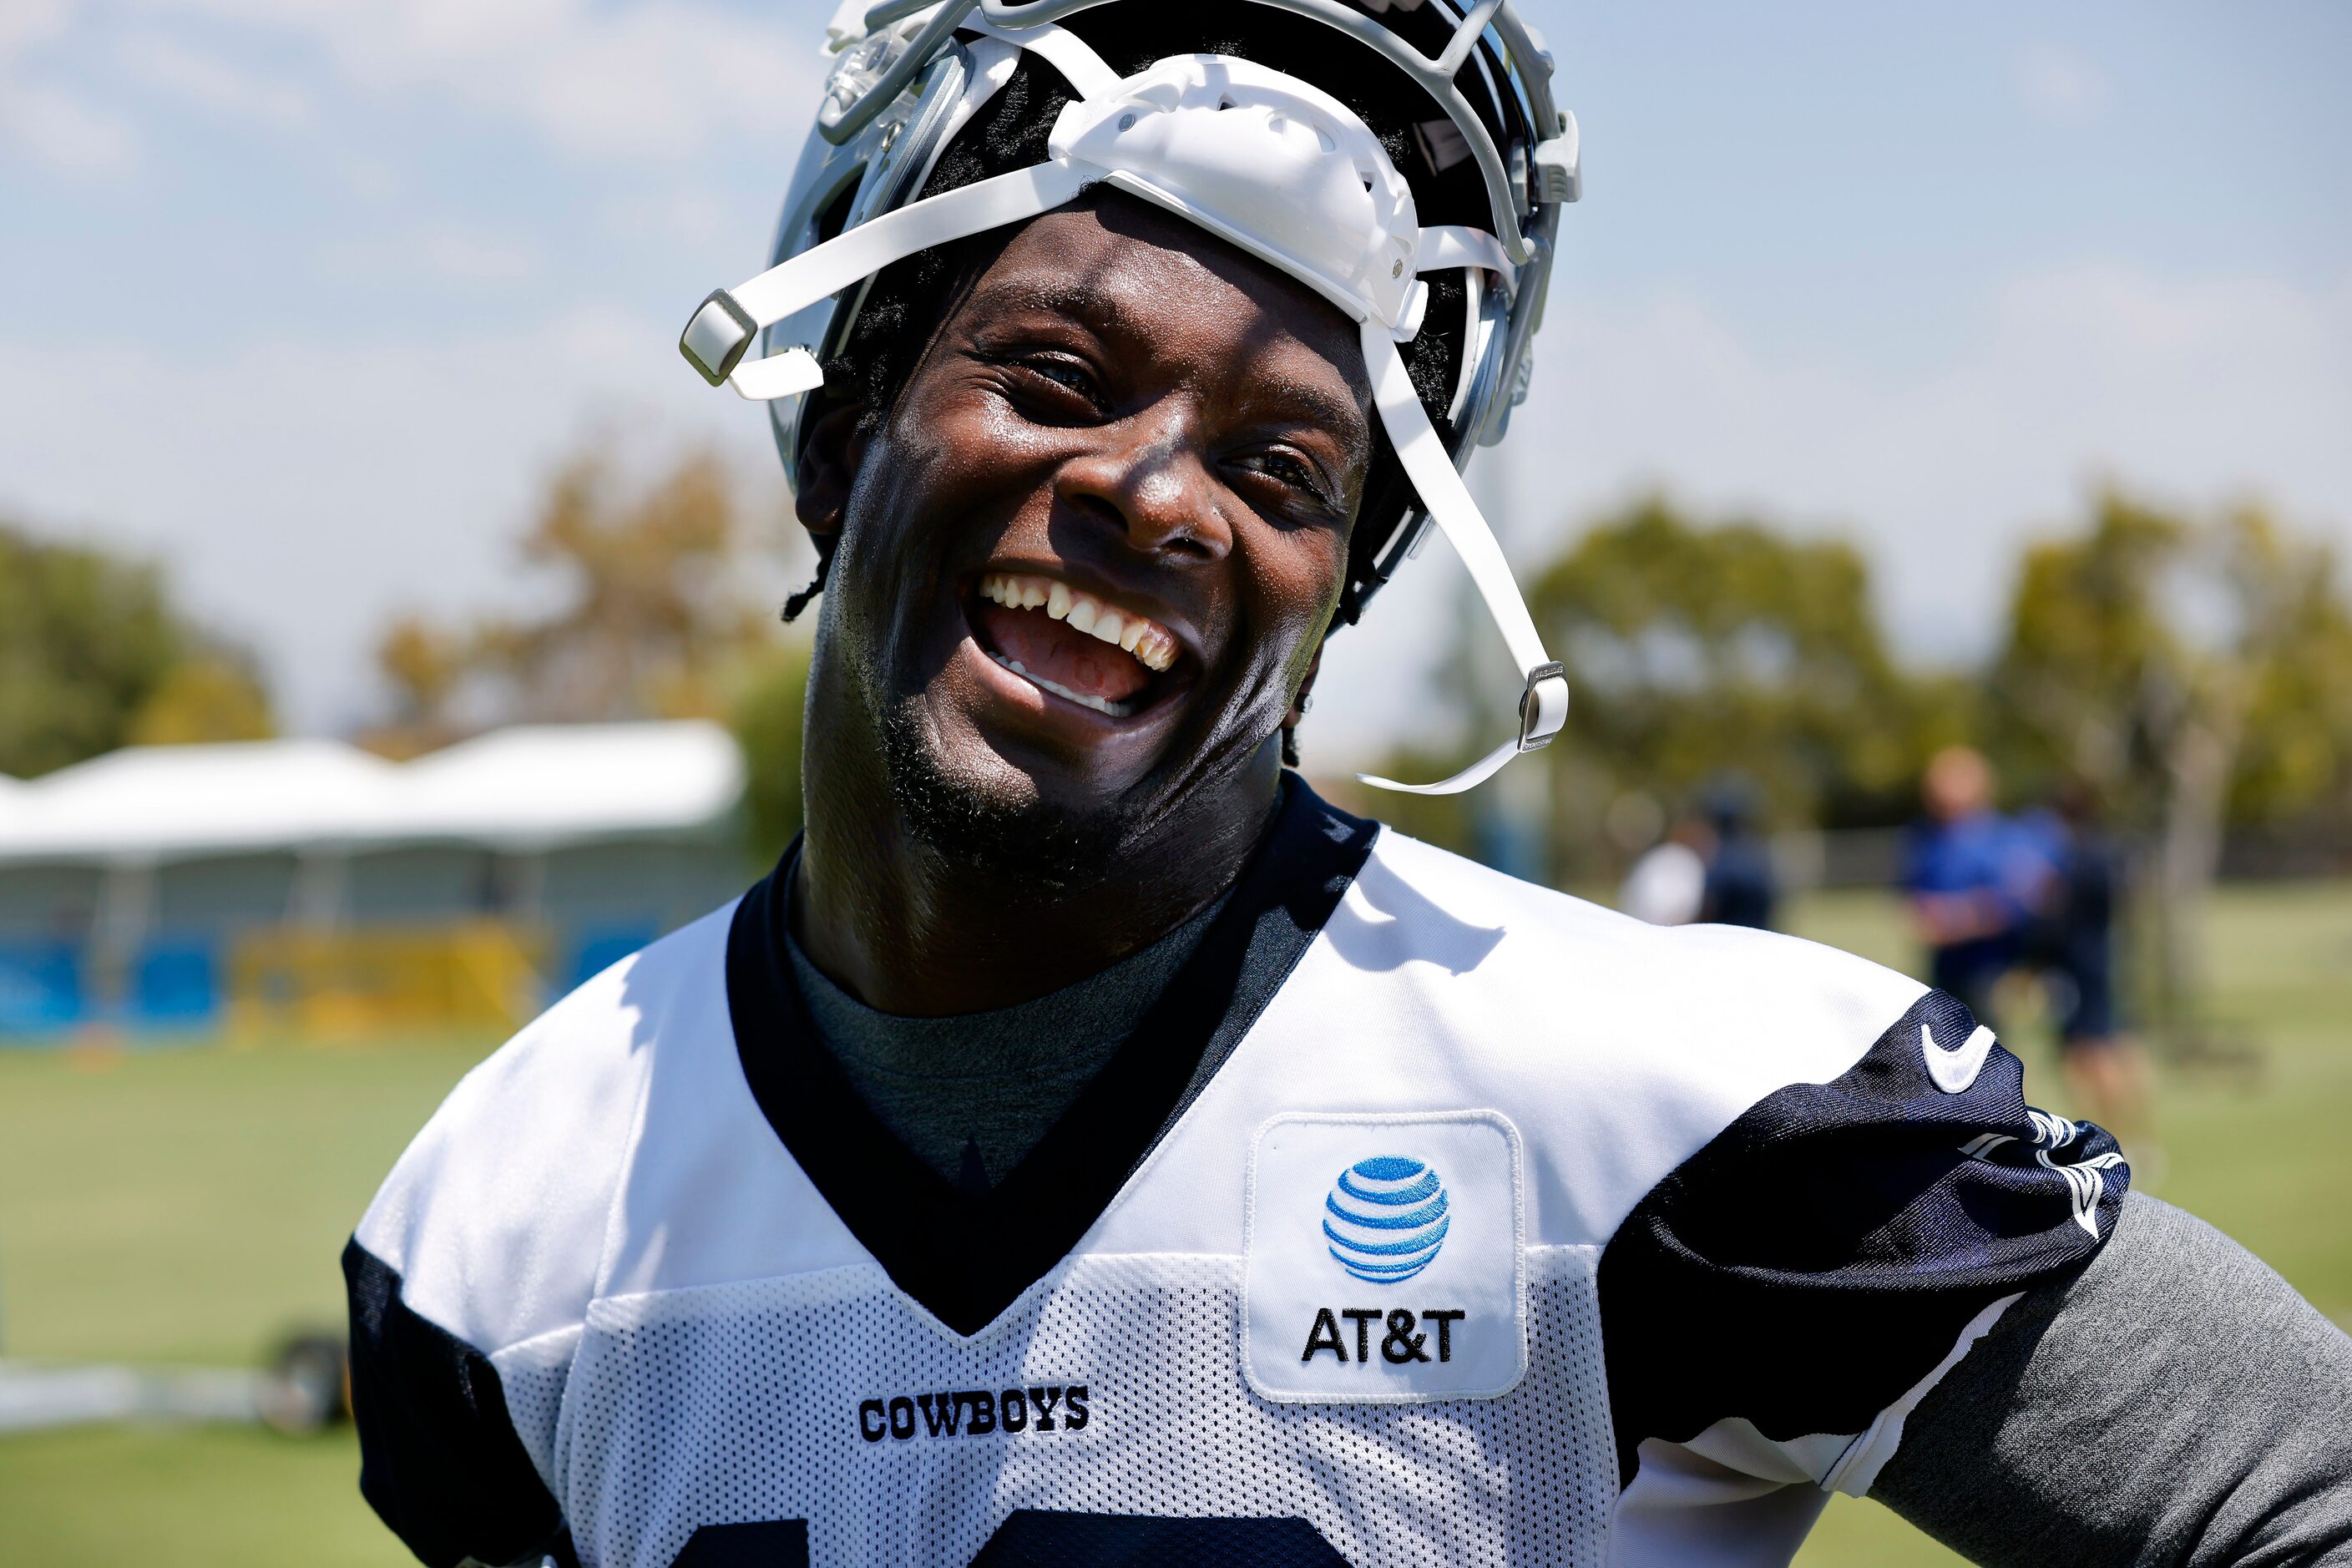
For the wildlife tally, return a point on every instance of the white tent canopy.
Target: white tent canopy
(524, 789)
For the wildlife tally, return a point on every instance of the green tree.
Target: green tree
(1696, 650)
(2195, 672)
(651, 619)
(766, 719)
(213, 694)
(94, 656)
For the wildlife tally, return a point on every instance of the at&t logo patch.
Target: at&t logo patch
(1399, 1278)
(1386, 1219)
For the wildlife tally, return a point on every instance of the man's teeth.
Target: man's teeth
(1099, 704)
(1153, 645)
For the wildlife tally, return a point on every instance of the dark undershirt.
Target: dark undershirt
(965, 1255)
(970, 1095)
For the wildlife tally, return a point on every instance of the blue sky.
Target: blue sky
(307, 296)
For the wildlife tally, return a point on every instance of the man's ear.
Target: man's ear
(829, 463)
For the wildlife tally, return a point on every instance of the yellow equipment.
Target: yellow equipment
(349, 984)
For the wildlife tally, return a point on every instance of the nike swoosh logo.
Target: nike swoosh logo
(1953, 1070)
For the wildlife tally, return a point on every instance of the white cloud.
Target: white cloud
(25, 23)
(63, 130)
(2059, 86)
(212, 84)
(692, 217)
(641, 81)
(425, 251)
(52, 125)
(652, 82)
(469, 259)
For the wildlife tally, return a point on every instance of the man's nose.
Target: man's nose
(1152, 475)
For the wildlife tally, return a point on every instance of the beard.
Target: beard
(983, 822)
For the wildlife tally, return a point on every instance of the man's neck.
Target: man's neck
(909, 929)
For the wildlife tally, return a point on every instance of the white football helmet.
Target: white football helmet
(1252, 151)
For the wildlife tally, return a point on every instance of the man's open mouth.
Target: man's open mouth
(1067, 641)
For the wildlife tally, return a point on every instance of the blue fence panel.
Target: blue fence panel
(40, 988)
(176, 986)
(594, 951)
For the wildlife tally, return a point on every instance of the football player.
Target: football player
(1086, 1145)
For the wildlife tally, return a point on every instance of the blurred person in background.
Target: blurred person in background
(1712, 866)
(1667, 885)
(1742, 890)
(1977, 881)
(2106, 1071)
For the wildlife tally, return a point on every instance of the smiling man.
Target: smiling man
(1087, 1146)
(1081, 565)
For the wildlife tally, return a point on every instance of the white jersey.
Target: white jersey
(1490, 1227)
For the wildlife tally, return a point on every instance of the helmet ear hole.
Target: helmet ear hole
(836, 216)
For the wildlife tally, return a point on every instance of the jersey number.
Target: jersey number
(772, 1544)
(1035, 1538)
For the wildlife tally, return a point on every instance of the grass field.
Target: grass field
(188, 1207)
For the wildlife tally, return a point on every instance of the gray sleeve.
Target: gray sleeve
(2176, 1403)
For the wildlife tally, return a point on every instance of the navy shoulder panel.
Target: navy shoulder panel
(1822, 1253)
(439, 1459)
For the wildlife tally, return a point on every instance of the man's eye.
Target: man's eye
(1286, 468)
(1063, 373)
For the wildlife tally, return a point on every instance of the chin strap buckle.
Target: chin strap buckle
(1543, 706)
(716, 338)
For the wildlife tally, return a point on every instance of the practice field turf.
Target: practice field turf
(187, 1207)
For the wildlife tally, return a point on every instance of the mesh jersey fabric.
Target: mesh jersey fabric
(688, 1325)
(1168, 1431)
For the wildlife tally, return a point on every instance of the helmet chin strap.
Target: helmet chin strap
(723, 331)
(1543, 702)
